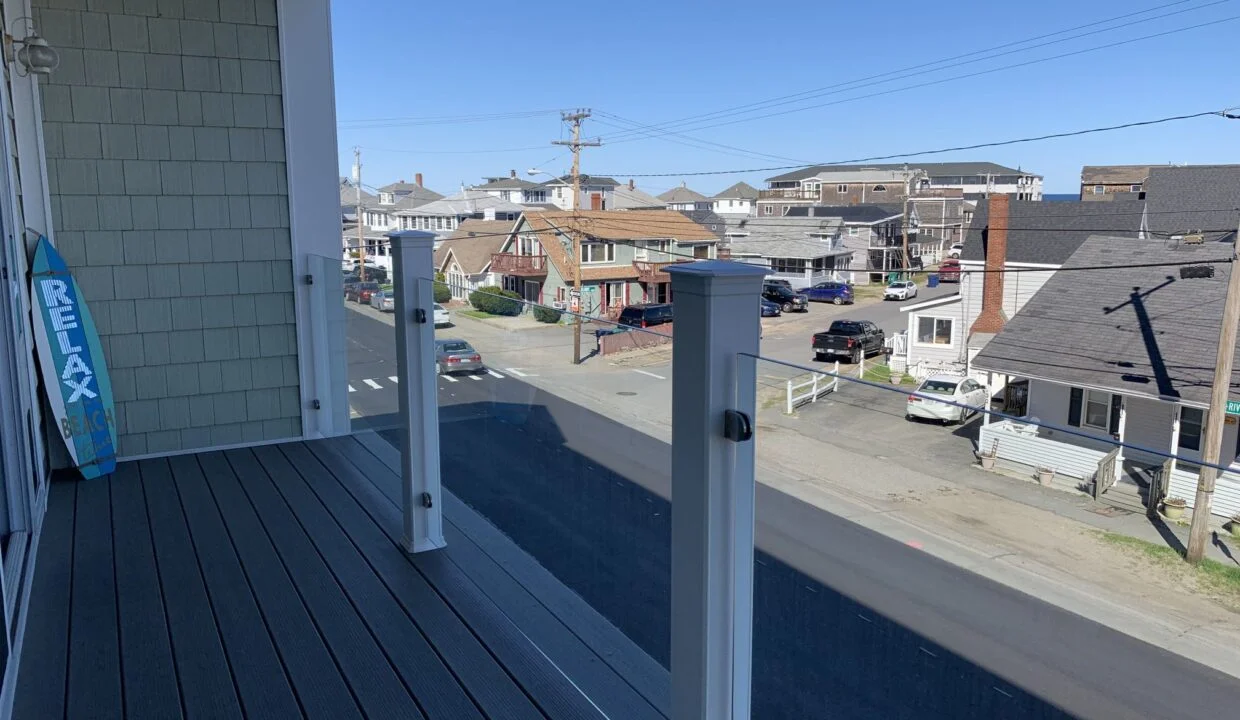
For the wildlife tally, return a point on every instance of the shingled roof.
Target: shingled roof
(682, 194)
(1048, 233)
(473, 243)
(1138, 331)
(1187, 199)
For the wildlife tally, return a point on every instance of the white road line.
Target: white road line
(643, 372)
(373, 385)
(475, 377)
(449, 378)
(518, 373)
(352, 389)
(495, 374)
(393, 378)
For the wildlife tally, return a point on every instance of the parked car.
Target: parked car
(832, 292)
(373, 272)
(646, 315)
(900, 290)
(778, 281)
(383, 300)
(365, 290)
(442, 317)
(456, 356)
(949, 270)
(350, 288)
(853, 339)
(770, 309)
(953, 388)
(788, 301)
(955, 250)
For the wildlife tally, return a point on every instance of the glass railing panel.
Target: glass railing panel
(936, 546)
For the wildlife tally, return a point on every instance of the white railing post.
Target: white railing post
(422, 502)
(713, 411)
(790, 408)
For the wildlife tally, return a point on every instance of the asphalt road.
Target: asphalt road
(848, 623)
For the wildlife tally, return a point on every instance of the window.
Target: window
(788, 265)
(854, 231)
(880, 188)
(841, 188)
(934, 330)
(768, 209)
(598, 252)
(1098, 190)
(1097, 407)
(1135, 188)
(1191, 422)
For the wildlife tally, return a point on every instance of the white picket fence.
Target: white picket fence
(808, 391)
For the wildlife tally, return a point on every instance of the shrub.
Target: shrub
(442, 292)
(495, 300)
(546, 315)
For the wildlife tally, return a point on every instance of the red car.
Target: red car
(949, 270)
(360, 292)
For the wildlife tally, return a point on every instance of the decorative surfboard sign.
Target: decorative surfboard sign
(71, 360)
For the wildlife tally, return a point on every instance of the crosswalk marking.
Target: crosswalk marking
(376, 384)
(352, 389)
(449, 378)
(373, 385)
(495, 374)
(475, 377)
(393, 378)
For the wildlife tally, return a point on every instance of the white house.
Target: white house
(804, 251)
(446, 215)
(511, 188)
(1123, 356)
(739, 199)
(846, 183)
(596, 192)
(685, 198)
(1039, 238)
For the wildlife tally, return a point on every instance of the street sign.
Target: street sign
(1233, 407)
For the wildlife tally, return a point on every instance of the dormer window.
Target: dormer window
(880, 188)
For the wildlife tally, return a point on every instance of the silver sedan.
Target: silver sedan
(383, 301)
(452, 356)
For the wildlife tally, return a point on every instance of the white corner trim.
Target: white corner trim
(308, 95)
(932, 303)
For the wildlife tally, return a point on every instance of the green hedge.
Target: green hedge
(546, 315)
(442, 293)
(495, 300)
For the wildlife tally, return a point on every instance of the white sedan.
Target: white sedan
(955, 250)
(967, 394)
(442, 318)
(900, 290)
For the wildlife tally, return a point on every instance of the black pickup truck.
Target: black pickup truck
(852, 339)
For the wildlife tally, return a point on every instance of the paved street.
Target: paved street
(586, 494)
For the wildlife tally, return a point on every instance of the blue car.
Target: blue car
(770, 309)
(832, 292)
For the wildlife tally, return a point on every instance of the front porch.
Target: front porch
(271, 582)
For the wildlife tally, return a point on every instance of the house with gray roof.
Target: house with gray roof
(630, 197)
(446, 215)
(596, 192)
(514, 189)
(1040, 237)
(1121, 355)
(350, 199)
(872, 232)
(975, 179)
(804, 251)
(1193, 200)
(738, 199)
(685, 198)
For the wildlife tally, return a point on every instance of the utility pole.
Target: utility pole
(908, 190)
(361, 235)
(1213, 436)
(575, 146)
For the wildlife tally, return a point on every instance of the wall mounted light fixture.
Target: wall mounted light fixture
(33, 54)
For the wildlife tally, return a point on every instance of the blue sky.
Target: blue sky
(400, 62)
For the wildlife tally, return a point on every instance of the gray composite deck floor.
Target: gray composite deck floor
(268, 582)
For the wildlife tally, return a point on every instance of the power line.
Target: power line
(1224, 113)
(925, 68)
(966, 75)
(689, 141)
(366, 123)
(493, 151)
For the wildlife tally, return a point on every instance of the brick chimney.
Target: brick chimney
(512, 173)
(417, 178)
(631, 184)
(994, 244)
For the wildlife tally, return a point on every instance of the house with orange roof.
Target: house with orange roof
(622, 260)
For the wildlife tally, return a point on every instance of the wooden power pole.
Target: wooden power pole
(1212, 439)
(575, 146)
(361, 235)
